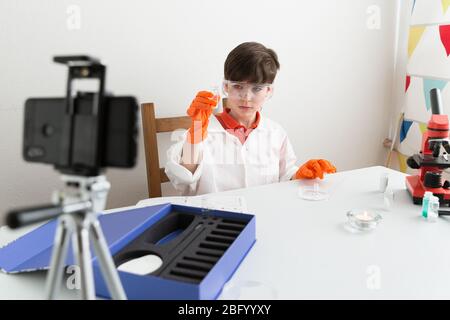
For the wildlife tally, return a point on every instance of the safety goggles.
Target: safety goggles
(256, 92)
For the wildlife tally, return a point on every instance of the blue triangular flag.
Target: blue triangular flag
(404, 129)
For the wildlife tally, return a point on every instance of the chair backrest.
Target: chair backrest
(151, 126)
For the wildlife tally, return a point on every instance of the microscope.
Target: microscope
(433, 158)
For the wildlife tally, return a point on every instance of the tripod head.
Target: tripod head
(80, 194)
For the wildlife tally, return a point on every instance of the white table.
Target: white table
(304, 249)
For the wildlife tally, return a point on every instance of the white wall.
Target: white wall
(333, 93)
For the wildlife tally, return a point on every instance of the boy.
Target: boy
(239, 147)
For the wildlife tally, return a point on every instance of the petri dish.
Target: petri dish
(313, 193)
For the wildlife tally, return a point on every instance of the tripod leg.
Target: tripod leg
(82, 254)
(59, 254)
(107, 265)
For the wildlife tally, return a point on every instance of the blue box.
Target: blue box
(33, 252)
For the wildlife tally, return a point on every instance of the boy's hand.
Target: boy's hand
(314, 169)
(200, 110)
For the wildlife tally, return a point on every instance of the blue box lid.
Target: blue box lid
(33, 250)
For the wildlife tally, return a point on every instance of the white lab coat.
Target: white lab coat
(266, 157)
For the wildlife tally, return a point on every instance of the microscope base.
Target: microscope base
(417, 191)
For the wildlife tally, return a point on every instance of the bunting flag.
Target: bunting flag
(445, 5)
(415, 34)
(422, 127)
(407, 83)
(444, 32)
(411, 131)
(429, 84)
(402, 162)
(406, 125)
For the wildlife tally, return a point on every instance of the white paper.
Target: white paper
(225, 203)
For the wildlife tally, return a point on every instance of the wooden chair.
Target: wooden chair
(151, 126)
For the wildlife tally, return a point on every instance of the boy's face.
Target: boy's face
(245, 98)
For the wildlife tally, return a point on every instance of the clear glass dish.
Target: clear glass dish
(313, 193)
(363, 220)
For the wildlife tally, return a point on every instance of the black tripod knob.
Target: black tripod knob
(432, 180)
(24, 216)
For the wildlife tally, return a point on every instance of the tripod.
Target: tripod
(84, 198)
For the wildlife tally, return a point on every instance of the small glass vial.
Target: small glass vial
(384, 181)
(430, 207)
(216, 92)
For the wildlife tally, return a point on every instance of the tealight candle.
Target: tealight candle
(364, 216)
(363, 219)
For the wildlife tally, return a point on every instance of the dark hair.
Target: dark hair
(252, 62)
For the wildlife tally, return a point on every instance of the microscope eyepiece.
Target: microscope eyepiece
(436, 101)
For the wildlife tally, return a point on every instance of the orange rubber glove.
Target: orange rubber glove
(314, 169)
(200, 110)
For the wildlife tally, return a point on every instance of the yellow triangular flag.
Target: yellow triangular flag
(401, 162)
(415, 33)
(445, 5)
(422, 127)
